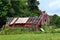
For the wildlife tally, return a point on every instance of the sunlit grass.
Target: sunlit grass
(43, 36)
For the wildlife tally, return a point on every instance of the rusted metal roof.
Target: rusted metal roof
(22, 20)
(25, 20)
(9, 20)
(33, 20)
(13, 20)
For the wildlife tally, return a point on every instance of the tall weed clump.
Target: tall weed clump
(47, 29)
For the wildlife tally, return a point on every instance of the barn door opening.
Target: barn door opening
(40, 27)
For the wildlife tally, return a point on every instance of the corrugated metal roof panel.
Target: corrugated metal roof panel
(22, 20)
(9, 20)
(33, 20)
(13, 20)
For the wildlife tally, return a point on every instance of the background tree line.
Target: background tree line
(19, 8)
(55, 20)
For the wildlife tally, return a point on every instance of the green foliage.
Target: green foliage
(19, 8)
(23, 30)
(55, 20)
(17, 30)
(46, 28)
(44, 36)
(57, 30)
(3, 12)
(58, 22)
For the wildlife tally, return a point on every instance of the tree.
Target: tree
(57, 23)
(4, 9)
(22, 8)
(33, 7)
(3, 12)
(55, 20)
(33, 4)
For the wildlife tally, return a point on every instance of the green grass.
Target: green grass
(42, 36)
(57, 30)
(26, 34)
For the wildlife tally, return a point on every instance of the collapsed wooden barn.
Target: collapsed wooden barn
(29, 21)
(24, 21)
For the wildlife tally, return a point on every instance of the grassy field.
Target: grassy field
(18, 34)
(42, 36)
